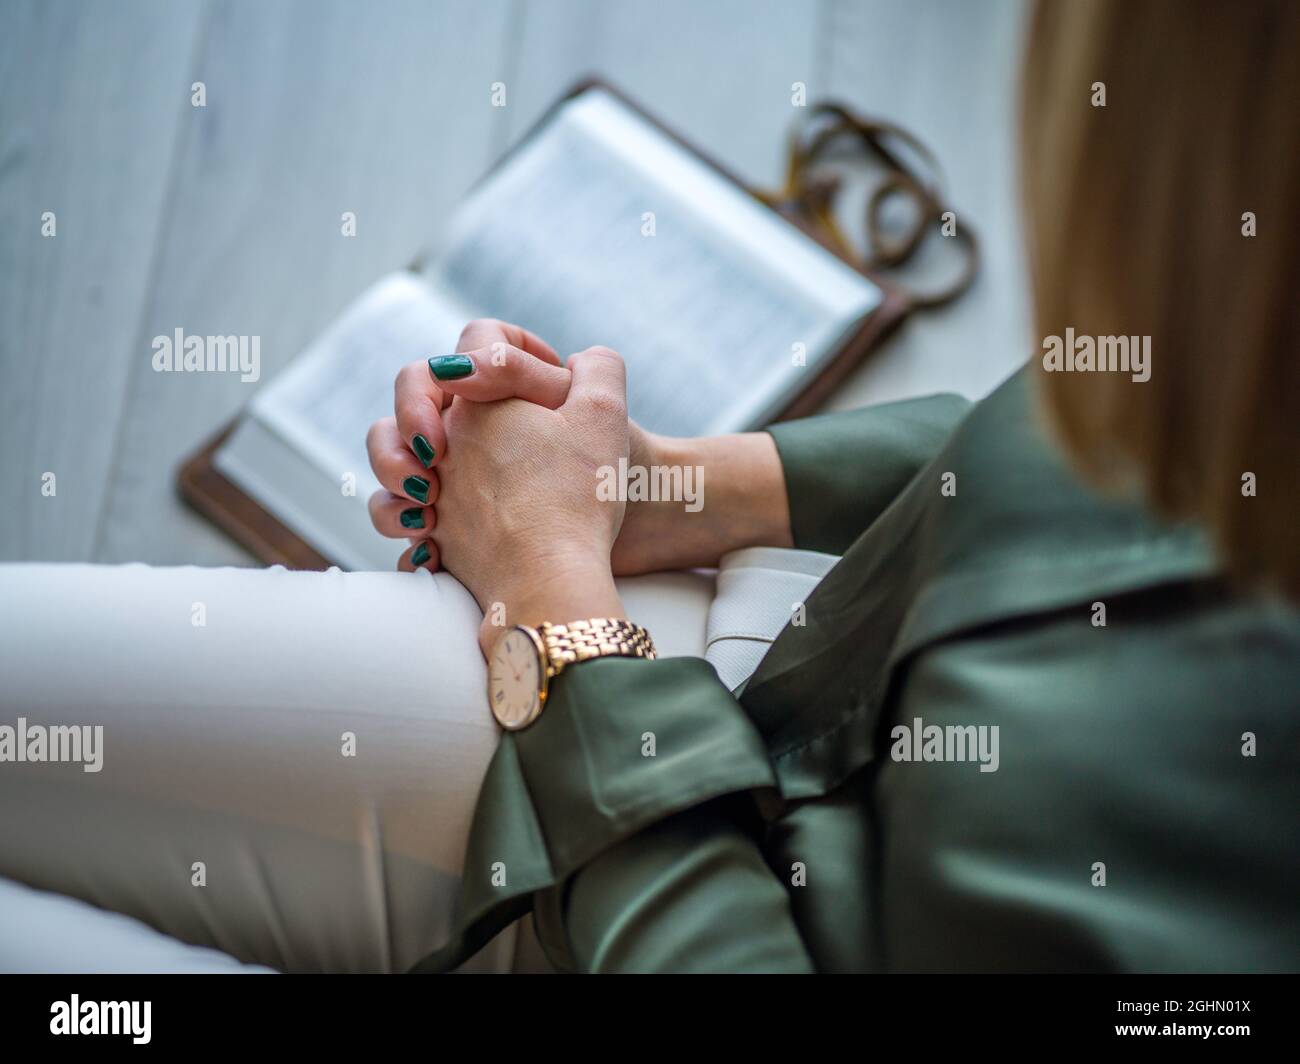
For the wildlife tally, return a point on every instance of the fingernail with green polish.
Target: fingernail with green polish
(450, 367)
(417, 488)
(423, 450)
(413, 518)
(420, 555)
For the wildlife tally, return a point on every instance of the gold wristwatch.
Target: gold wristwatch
(525, 660)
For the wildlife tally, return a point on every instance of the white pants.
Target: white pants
(288, 763)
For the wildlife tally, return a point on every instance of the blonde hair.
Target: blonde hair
(1137, 215)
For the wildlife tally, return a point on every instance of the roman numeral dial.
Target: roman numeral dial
(515, 680)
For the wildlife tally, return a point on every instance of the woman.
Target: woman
(1137, 799)
(1019, 725)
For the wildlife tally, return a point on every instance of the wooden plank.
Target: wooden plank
(91, 96)
(719, 73)
(948, 72)
(312, 110)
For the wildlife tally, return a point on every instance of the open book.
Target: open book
(600, 228)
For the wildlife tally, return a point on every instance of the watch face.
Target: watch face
(515, 681)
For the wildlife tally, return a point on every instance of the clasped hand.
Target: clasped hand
(489, 466)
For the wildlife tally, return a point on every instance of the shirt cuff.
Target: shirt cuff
(621, 744)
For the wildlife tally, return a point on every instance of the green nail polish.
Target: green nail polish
(420, 555)
(423, 450)
(417, 488)
(450, 367)
(413, 518)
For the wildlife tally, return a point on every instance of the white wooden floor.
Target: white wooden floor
(225, 219)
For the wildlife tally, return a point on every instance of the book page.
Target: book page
(602, 230)
(300, 450)
(290, 485)
(324, 403)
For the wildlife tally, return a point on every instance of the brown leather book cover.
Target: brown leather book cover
(205, 488)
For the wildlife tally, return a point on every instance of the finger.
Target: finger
(395, 467)
(507, 372)
(417, 402)
(421, 555)
(599, 382)
(485, 332)
(398, 518)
